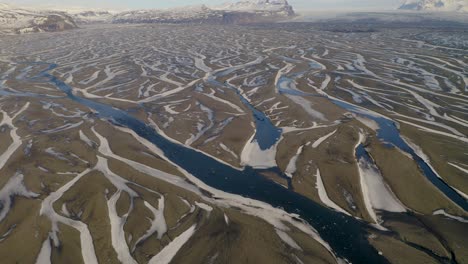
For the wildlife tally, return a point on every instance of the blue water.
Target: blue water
(266, 133)
(362, 153)
(388, 132)
(346, 235)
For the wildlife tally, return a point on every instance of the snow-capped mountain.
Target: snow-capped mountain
(252, 11)
(436, 5)
(190, 14)
(20, 20)
(259, 5)
(91, 16)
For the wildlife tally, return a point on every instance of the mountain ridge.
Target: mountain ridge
(242, 12)
(435, 5)
(25, 20)
(22, 20)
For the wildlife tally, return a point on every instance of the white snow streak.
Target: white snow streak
(7, 120)
(167, 253)
(87, 247)
(319, 141)
(45, 253)
(322, 192)
(14, 187)
(291, 168)
(287, 239)
(457, 218)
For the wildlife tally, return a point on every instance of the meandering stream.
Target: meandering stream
(347, 236)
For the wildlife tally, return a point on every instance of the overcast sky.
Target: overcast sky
(134, 4)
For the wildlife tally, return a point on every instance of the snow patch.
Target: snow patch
(322, 192)
(319, 141)
(14, 187)
(45, 253)
(457, 218)
(252, 155)
(292, 167)
(287, 239)
(168, 253)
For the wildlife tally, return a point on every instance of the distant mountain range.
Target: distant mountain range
(91, 16)
(22, 20)
(436, 5)
(253, 11)
(25, 20)
(19, 20)
(281, 6)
